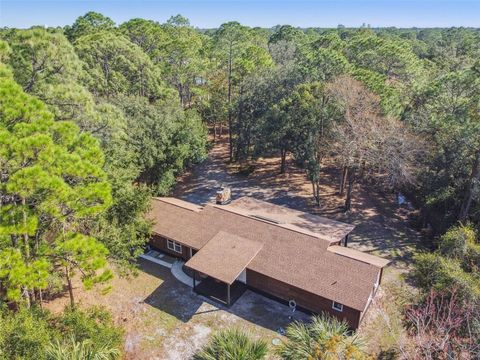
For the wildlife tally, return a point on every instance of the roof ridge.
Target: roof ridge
(289, 209)
(286, 226)
(177, 201)
(358, 255)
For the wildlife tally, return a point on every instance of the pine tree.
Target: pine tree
(51, 184)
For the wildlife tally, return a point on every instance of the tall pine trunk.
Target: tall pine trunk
(343, 180)
(230, 136)
(40, 298)
(27, 293)
(470, 189)
(351, 182)
(70, 287)
(316, 191)
(283, 154)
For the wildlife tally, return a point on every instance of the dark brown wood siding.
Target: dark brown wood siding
(160, 243)
(304, 299)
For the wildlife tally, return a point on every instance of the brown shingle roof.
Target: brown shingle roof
(181, 203)
(225, 256)
(289, 254)
(359, 255)
(174, 221)
(310, 224)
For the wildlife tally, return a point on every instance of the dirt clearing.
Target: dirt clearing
(163, 319)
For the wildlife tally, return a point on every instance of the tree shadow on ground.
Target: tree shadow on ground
(380, 226)
(181, 302)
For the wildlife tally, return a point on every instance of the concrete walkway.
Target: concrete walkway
(176, 268)
(179, 274)
(156, 261)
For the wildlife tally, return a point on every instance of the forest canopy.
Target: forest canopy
(97, 117)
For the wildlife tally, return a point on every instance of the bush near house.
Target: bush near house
(233, 344)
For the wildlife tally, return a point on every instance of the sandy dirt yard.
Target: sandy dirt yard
(163, 319)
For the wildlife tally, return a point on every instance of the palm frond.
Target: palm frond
(85, 350)
(324, 338)
(233, 344)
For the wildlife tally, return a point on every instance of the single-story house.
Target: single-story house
(285, 254)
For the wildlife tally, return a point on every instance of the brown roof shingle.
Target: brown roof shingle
(225, 256)
(176, 221)
(310, 224)
(359, 255)
(290, 254)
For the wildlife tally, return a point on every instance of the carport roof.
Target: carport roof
(225, 256)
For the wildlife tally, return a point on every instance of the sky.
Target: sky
(264, 13)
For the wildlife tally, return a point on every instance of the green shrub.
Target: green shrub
(30, 333)
(56, 285)
(433, 271)
(94, 324)
(24, 334)
(460, 242)
(85, 350)
(233, 344)
(324, 337)
(455, 242)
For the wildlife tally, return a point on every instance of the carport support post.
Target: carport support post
(228, 294)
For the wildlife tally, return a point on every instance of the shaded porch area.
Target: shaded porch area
(221, 264)
(221, 292)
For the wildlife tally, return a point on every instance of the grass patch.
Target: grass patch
(159, 319)
(159, 326)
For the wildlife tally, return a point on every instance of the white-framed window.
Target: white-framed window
(174, 246)
(337, 306)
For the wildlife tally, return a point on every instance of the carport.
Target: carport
(221, 263)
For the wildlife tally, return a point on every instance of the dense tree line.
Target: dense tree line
(91, 126)
(398, 107)
(96, 117)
